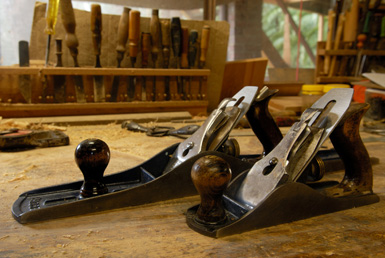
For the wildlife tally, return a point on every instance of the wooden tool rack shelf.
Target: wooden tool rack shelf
(352, 53)
(156, 99)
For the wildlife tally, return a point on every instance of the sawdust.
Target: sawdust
(10, 123)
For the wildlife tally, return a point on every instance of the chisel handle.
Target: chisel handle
(59, 52)
(204, 44)
(184, 54)
(165, 27)
(176, 38)
(96, 28)
(155, 34)
(23, 53)
(122, 34)
(146, 47)
(134, 34)
(69, 23)
(192, 48)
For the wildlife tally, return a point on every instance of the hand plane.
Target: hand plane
(270, 192)
(163, 177)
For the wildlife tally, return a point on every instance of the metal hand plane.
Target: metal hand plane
(163, 177)
(270, 192)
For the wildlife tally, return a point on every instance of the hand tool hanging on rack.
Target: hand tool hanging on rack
(24, 79)
(184, 63)
(373, 61)
(381, 42)
(51, 18)
(69, 23)
(176, 41)
(362, 38)
(192, 54)
(59, 80)
(144, 85)
(349, 34)
(205, 39)
(163, 177)
(120, 49)
(269, 193)
(158, 89)
(165, 29)
(329, 40)
(96, 28)
(133, 47)
(337, 41)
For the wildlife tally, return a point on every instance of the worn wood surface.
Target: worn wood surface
(159, 230)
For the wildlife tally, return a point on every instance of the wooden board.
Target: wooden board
(241, 73)
(74, 109)
(160, 230)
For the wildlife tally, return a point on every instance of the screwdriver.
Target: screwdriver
(51, 17)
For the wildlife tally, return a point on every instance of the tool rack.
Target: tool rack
(322, 53)
(12, 103)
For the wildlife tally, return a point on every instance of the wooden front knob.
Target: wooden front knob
(92, 157)
(211, 175)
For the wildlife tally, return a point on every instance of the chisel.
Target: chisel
(205, 39)
(69, 23)
(158, 85)
(184, 64)
(192, 54)
(165, 29)
(51, 18)
(120, 49)
(59, 80)
(145, 87)
(329, 40)
(337, 40)
(96, 28)
(381, 42)
(24, 79)
(349, 35)
(176, 40)
(133, 47)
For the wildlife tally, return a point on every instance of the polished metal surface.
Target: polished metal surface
(289, 159)
(215, 130)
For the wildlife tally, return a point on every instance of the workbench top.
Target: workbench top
(160, 230)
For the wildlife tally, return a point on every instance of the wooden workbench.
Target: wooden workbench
(159, 230)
